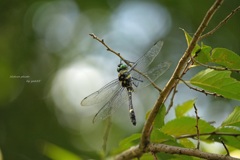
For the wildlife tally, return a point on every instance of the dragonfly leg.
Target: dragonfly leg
(139, 80)
(136, 83)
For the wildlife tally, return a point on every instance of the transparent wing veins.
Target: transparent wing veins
(157, 71)
(118, 99)
(144, 61)
(103, 94)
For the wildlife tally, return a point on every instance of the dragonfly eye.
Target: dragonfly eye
(121, 67)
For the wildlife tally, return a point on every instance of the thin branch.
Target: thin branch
(124, 60)
(224, 21)
(154, 156)
(197, 119)
(171, 100)
(189, 63)
(174, 78)
(186, 151)
(109, 49)
(152, 147)
(187, 67)
(201, 90)
(208, 134)
(225, 147)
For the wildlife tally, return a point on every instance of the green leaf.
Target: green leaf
(147, 156)
(166, 156)
(186, 125)
(128, 142)
(189, 39)
(203, 54)
(159, 120)
(219, 82)
(233, 119)
(181, 110)
(230, 139)
(147, 114)
(225, 129)
(187, 143)
(55, 152)
(157, 136)
(226, 58)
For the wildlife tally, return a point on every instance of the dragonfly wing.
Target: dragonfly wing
(144, 61)
(103, 94)
(118, 99)
(156, 72)
(153, 74)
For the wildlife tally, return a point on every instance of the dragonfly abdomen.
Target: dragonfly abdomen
(131, 110)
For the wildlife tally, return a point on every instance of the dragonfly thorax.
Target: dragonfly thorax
(125, 79)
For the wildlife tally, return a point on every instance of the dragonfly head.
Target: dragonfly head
(121, 67)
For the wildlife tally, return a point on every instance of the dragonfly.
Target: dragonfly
(119, 91)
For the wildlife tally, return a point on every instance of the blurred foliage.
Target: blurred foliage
(29, 119)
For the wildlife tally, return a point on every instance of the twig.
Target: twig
(225, 147)
(174, 78)
(221, 23)
(109, 49)
(189, 63)
(201, 90)
(207, 134)
(187, 151)
(171, 100)
(197, 118)
(154, 156)
(152, 147)
(124, 60)
(187, 67)
(193, 136)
